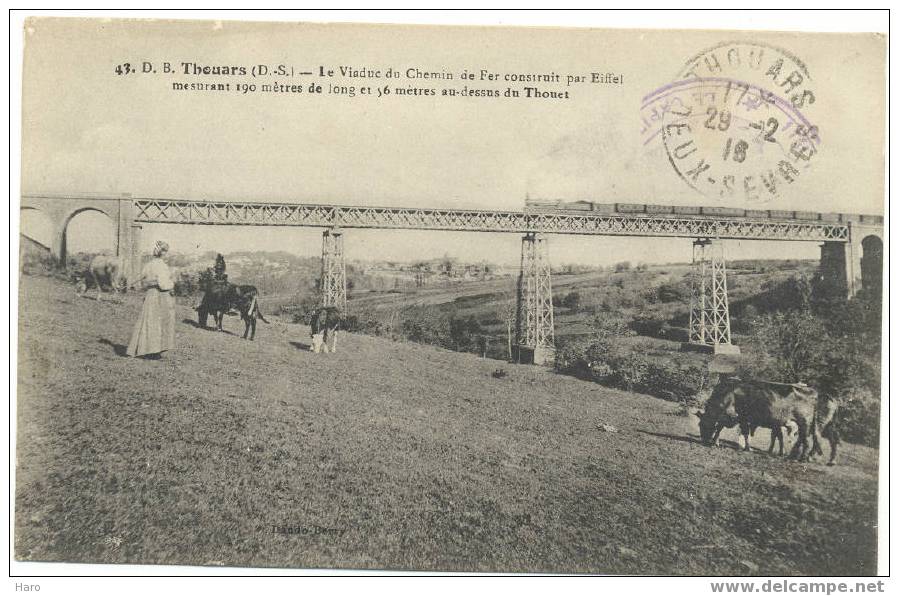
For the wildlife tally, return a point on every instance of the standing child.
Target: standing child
(331, 322)
(317, 331)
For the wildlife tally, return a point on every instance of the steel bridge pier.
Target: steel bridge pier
(851, 253)
(709, 310)
(333, 280)
(535, 336)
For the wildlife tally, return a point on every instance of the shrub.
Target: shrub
(464, 334)
(610, 326)
(303, 308)
(571, 358)
(858, 419)
(36, 263)
(629, 369)
(794, 293)
(492, 319)
(672, 292)
(833, 354)
(365, 323)
(572, 301)
(790, 347)
(677, 378)
(426, 328)
(685, 382)
(650, 326)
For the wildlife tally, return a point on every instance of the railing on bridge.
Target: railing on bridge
(842, 236)
(709, 317)
(286, 214)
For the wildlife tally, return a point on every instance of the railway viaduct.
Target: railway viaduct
(851, 246)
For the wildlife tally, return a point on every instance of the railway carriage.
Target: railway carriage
(871, 219)
(604, 208)
(579, 206)
(588, 207)
(778, 214)
(630, 207)
(723, 211)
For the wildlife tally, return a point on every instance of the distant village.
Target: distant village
(287, 272)
(435, 271)
(267, 269)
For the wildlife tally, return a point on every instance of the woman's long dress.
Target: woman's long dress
(155, 330)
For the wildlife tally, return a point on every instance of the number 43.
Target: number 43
(123, 69)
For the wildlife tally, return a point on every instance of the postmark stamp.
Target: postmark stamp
(737, 122)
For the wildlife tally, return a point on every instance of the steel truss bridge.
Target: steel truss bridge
(842, 239)
(336, 216)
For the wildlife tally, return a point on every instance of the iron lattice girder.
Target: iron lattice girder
(333, 279)
(535, 307)
(286, 214)
(709, 309)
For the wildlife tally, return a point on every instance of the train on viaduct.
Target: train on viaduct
(851, 244)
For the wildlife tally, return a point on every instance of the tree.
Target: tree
(790, 346)
(794, 293)
(572, 301)
(832, 353)
(464, 332)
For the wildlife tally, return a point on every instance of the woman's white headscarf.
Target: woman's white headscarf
(160, 248)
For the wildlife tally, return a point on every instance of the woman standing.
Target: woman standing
(154, 333)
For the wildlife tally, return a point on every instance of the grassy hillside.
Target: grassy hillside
(390, 455)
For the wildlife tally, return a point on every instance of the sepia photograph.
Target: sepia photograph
(450, 299)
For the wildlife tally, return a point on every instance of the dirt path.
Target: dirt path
(389, 455)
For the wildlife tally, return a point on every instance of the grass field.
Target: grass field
(390, 455)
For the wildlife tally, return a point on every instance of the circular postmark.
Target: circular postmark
(736, 122)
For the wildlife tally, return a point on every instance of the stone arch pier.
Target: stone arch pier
(60, 209)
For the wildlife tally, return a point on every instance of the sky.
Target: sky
(86, 129)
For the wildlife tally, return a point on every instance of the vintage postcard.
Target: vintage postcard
(461, 299)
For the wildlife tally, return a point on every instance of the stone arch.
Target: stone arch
(872, 265)
(62, 208)
(63, 230)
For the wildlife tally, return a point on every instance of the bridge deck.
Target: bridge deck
(286, 214)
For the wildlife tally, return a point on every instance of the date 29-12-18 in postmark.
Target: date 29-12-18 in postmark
(736, 123)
